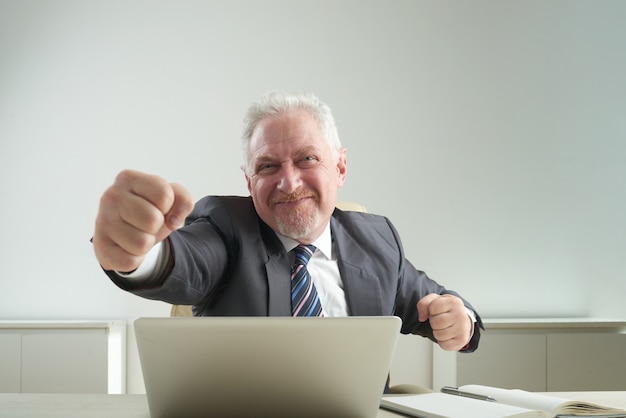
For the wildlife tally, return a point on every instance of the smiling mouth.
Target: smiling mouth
(292, 200)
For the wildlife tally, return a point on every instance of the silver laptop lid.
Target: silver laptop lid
(265, 366)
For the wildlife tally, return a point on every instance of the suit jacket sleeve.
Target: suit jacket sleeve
(413, 284)
(379, 279)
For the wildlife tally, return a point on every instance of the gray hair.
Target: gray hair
(276, 102)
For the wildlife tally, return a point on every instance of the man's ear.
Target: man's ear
(243, 168)
(342, 167)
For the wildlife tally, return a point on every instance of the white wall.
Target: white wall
(493, 134)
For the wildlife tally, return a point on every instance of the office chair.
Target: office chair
(185, 310)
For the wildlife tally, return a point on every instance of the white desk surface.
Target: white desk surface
(36, 405)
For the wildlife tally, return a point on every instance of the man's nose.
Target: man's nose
(290, 179)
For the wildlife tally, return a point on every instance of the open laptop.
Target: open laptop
(278, 367)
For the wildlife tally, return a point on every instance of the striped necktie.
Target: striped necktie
(304, 298)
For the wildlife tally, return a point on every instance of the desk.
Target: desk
(29, 405)
(61, 405)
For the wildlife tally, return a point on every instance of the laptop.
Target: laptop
(278, 367)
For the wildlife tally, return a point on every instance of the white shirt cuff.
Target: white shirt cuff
(472, 316)
(149, 266)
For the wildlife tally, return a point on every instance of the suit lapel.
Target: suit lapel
(278, 270)
(279, 287)
(362, 290)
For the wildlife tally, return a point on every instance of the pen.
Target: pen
(454, 391)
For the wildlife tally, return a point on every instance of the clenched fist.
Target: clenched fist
(449, 320)
(136, 212)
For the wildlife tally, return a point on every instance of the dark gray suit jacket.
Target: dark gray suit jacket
(228, 262)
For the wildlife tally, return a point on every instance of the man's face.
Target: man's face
(293, 175)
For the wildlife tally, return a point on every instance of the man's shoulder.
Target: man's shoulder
(366, 238)
(215, 204)
(356, 216)
(362, 224)
(225, 200)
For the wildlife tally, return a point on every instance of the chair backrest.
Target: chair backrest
(185, 310)
(181, 310)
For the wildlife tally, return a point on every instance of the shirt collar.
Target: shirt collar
(322, 243)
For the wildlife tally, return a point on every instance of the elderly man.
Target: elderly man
(235, 255)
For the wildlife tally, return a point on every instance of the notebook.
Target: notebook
(265, 366)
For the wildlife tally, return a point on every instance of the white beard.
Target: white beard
(297, 225)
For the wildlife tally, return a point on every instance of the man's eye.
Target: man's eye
(265, 168)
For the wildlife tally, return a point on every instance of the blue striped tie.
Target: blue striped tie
(304, 298)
